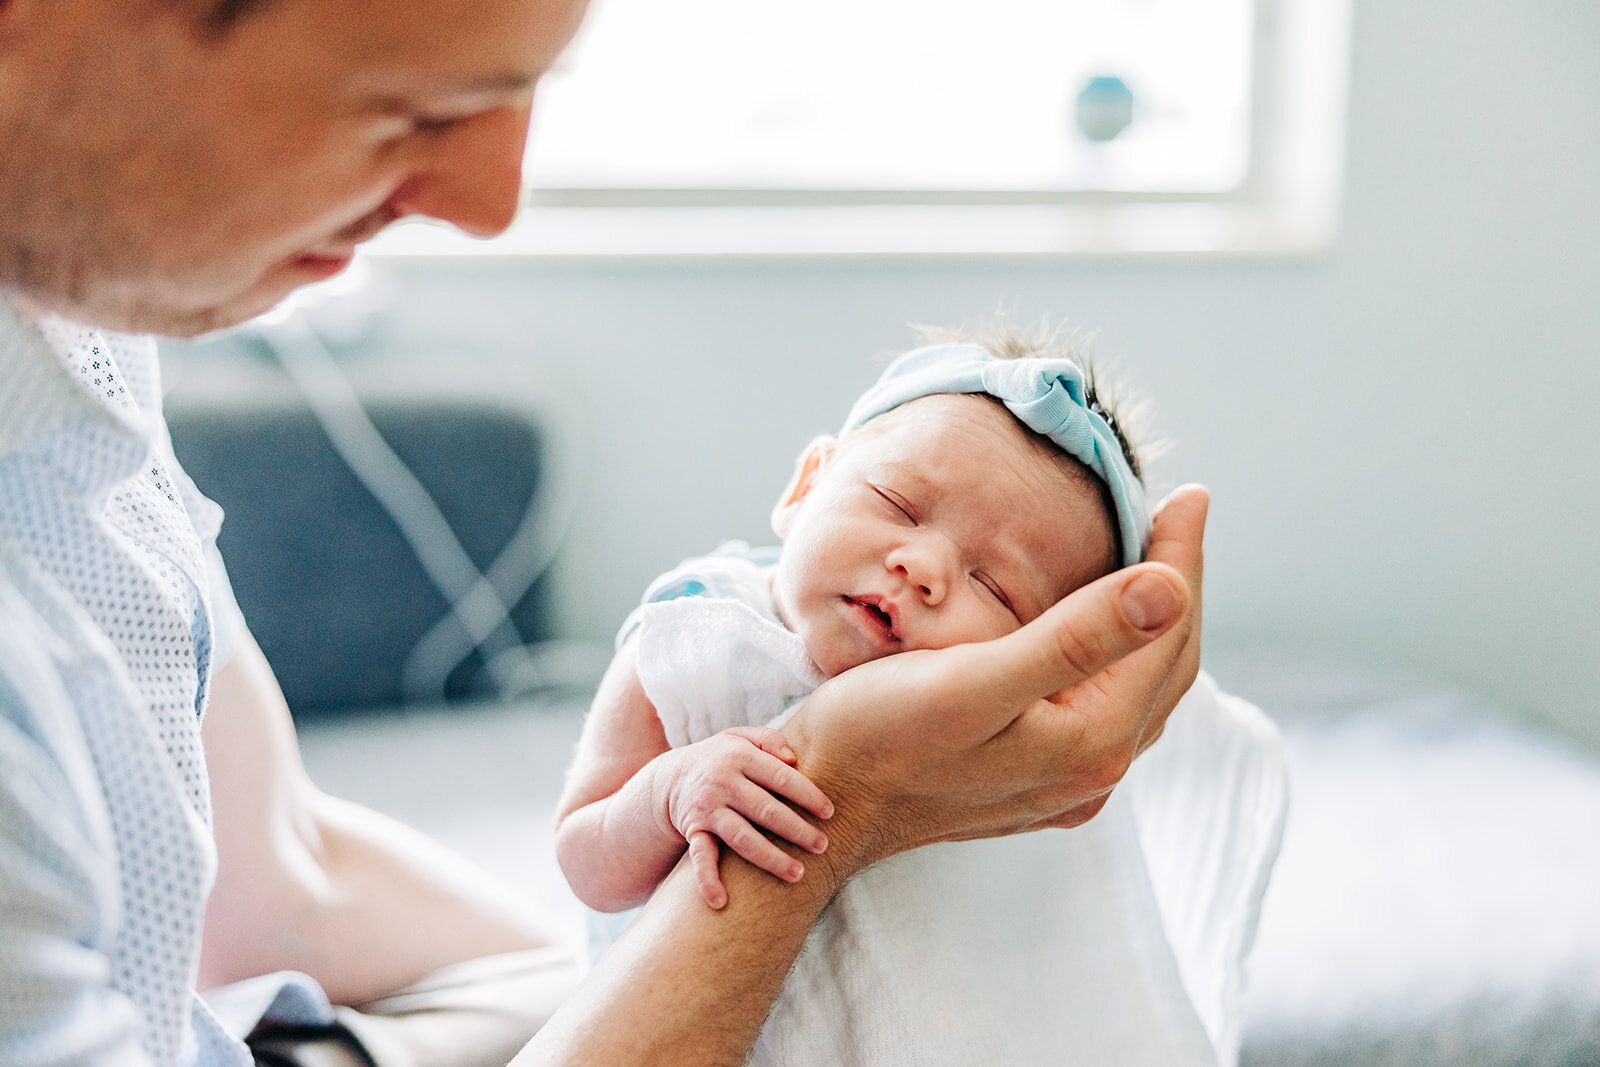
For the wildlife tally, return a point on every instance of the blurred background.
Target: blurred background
(1351, 254)
(1397, 425)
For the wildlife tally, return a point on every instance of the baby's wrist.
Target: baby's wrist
(651, 798)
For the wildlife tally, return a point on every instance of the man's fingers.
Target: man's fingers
(1180, 523)
(1083, 634)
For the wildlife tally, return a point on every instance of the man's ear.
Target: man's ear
(812, 462)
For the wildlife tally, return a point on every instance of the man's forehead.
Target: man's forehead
(467, 46)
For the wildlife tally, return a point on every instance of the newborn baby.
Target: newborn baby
(970, 489)
(939, 520)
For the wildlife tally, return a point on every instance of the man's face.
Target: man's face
(165, 179)
(939, 523)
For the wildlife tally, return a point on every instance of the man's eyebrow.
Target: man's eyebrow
(494, 84)
(505, 81)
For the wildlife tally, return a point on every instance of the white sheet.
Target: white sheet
(1437, 900)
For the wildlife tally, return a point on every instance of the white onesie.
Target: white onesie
(1120, 942)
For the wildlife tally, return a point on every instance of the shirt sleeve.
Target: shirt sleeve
(58, 874)
(228, 628)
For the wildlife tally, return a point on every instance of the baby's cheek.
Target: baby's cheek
(984, 625)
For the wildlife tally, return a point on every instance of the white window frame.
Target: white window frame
(1287, 205)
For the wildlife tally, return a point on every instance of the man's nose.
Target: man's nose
(470, 176)
(926, 563)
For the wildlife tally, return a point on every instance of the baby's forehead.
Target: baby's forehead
(958, 427)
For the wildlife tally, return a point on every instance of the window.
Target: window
(892, 126)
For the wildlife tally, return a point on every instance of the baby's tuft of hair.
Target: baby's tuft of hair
(1126, 414)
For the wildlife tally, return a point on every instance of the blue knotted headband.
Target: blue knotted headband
(1045, 393)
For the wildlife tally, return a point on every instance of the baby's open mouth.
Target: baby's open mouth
(876, 616)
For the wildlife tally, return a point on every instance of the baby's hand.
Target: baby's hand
(720, 786)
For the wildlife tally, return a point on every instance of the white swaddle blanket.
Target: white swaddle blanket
(1058, 947)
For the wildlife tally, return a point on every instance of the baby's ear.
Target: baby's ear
(811, 463)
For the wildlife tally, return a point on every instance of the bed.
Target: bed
(1435, 902)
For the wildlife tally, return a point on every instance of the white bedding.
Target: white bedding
(1437, 899)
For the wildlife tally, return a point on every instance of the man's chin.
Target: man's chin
(198, 320)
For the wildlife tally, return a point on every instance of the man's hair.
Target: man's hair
(1127, 415)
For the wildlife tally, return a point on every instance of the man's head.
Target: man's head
(177, 166)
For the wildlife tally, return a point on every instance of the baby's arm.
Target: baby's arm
(632, 802)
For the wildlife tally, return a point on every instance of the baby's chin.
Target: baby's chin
(831, 660)
(822, 644)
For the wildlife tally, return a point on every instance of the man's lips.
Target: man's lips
(877, 615)
(327, 260)
(322, 265)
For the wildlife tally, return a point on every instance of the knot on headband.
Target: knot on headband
(1046, 393)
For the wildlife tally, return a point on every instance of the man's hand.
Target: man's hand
(726, 786)
(1031, 730)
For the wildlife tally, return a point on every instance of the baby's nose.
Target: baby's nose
(924, 568)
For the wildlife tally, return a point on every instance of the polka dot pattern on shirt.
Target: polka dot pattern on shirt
(97, 510)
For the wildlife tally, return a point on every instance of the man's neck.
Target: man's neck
(24, 308)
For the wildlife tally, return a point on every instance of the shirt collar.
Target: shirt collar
(42, 405)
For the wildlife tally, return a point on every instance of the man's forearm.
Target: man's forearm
(400, 906)
(310, 883)
(685, 984)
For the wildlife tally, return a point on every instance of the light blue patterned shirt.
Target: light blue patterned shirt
(107, 566)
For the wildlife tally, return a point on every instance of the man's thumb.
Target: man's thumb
(1090, 630)
(1152, 601)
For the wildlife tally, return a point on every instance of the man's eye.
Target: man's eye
(434, 123)
(895, 501)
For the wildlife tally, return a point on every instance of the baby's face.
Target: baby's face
(938, 523)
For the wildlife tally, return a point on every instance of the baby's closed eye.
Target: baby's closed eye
(895, 502)
(995, 592)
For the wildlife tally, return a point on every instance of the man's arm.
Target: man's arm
(1029, 731)
(311, 883)
(58, 859)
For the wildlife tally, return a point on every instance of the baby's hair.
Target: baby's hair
(1127, 415)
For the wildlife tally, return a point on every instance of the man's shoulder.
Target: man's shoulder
(41, 643)
(49, 776)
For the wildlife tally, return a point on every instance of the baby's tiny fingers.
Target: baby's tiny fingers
(767, 811)
(785, 781)
(767, 740)
(748, 842)
(703, 860)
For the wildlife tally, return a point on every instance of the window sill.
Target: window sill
(880, 231)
